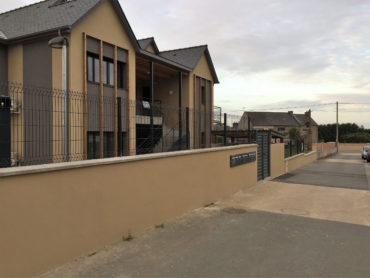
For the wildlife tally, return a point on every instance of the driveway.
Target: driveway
(274, 229)
(346, 170)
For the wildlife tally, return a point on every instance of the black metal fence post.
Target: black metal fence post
(290, 148)
(187, 129)
(119, 128)
(298, 146)
(151, 70)
(5, 139)
(180, 110)
(225, 128)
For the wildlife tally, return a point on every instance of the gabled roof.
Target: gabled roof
(272, 119)
(303, 119)
(190, 57)
(52, 15)
(278, 119)
(144, 43)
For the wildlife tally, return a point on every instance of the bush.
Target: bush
(358, 137)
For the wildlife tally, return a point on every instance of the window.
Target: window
(203, 95)
(90, 69)
(108, 72)
(108, 144)
(281, 129)
(93, 145)
(93, 68)
(121, 75)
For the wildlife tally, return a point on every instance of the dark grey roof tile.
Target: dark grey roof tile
(272, 119)
(188, 57)
(44, 16)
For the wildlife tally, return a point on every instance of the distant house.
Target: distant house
(282, 122)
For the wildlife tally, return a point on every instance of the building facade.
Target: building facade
(103, 82)
(282, 122)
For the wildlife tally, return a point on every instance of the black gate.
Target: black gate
(263, 161)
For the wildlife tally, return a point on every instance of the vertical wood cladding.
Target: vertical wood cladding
(203, 110)
(93, 91)
(38, 115)
(3, 64)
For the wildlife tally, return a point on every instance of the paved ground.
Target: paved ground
(273, 229)
(342, 170)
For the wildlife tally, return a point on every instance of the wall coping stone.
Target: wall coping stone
(24, 170)
(297, 155)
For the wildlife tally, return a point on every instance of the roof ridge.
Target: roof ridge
(267, 112)
(197, 46)
(146, 38)
(23, 7)
(296, 119)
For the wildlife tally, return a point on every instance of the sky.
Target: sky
(274, 55)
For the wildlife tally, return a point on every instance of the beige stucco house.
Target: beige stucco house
(99, 59)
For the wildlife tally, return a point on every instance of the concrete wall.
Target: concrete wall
(281, 165)
(352, 146)
(37, 106)
(324, 149)
(298, 161)
(277, 160)
(51, 214)
(15, 75)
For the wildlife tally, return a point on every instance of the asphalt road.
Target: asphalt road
(216, 243)
(345, 170)
(273, 229)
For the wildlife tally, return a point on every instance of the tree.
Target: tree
(294, 133)
(348, 133)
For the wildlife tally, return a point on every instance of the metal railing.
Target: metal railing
(39, 126)
(36, 127)
(293, 147)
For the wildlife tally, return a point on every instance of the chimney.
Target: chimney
(290, 112)
(308, 113)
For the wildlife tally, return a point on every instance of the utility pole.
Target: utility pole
(337, 135)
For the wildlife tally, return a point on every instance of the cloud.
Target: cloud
(266, 51)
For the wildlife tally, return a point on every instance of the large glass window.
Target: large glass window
(111, 74)
(105, 74)
(90, 69)
(93, 145)
(108, 144)
(203, 95)
(93, 68)
(108, 72)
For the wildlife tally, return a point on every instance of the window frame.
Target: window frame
(203, 95)
(93, 153)
(107, 62)
(121, 75)
(95, 60)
